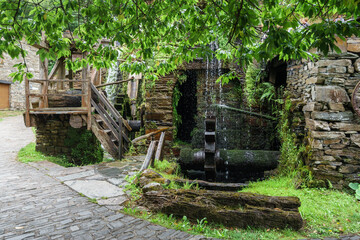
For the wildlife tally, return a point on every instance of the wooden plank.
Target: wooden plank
(55, 80)
(107, 118)
(54, 69)
(61, 73)
(158, 155)
(120, 147)
(213, 185)
(55, 94)
(60, 109)
(89, 105)
(149, 156)
(152, 133)
(27, 103)
(58, 112)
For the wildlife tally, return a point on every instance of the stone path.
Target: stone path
(37, 201)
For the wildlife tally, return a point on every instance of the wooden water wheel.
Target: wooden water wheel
(355, 99)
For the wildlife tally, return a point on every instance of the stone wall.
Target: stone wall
(17, 90)
(51, 132)
(324, 87)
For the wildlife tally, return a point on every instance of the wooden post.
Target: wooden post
(149, 155)
(27, 103)
(89, 105)
(158, 155)
(61, 75)
(120, 137)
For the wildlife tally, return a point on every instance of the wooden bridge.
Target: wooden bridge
(81, 98)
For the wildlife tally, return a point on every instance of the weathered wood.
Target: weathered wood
(59, 112)
(232, 209)
(158, 155)
(112, 83)
(213, 185)
(89, 104)
(76, 121)
(54, 69)
(104, 138)
(61, 73)
(59, 109)
(27, 103)
(149, 156)
(55, 80)
(152, 133)
(55, 94)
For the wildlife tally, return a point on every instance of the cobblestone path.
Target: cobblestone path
(35, 205)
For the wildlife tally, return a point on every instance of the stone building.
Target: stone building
(322, 91)
(16, 92)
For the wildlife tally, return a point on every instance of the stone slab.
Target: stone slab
(113, 201)
(330, 94)
(95, 189)
(76, 175)
(333, 116)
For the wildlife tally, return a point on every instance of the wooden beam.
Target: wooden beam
(54, 69)
(151, 134)
(158, 155)
(27, 103)
(149, 156)
(112, 83)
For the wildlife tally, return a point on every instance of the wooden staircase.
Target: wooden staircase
(108, 125)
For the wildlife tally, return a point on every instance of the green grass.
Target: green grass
(28, 154)
(326, 212)
(8, 113)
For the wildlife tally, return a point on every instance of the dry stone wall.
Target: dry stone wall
(17, 89)
(324, 88)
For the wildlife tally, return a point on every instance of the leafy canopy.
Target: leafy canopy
(148, 30)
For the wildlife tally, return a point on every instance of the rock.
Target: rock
(344, 153)
(355, 138)
(327, 135)
(341, 62)
(312, 106)
(317, 125)
(357, 65)
(336, 69)
(317, 144)
(345, 126)
(153, 186)
(331, 141)
(148, 176)
(353, 45)
(314, 80)
(337, 146)
(333, 116)
(349, 168)
(336, 107)
(351, 69)
(330, 94)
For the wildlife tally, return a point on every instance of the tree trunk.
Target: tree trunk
(227, 208)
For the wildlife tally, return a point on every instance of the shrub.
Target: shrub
(85, 148)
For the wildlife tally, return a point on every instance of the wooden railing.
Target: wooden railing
(50, 88)
(118, 126)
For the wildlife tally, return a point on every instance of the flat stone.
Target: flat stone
(345, 126)
(153, 186)
(113, 201)
(76, 175)
(355, 138)
(330, 94)
(343, 152)
(317, 144)
(349, 169)
(333, 116)
(116, 181)
(357, 65)
(327, 135)
(341, 62)
(331, 141)
(110, 172)
(337, 107)
(317, 125)
(353, 45)
(95, 189)
(312, 106)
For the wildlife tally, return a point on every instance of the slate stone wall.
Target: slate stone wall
(323, 90)
(51, 132)
(17, 89)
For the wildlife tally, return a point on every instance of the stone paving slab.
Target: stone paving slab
(35, 205)
(95, 189)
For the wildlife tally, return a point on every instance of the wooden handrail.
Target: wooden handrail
(55, 80)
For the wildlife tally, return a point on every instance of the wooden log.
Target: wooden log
(246, 112)
(112, 83)
(27, 103)
(149, 156)
(238, 160)
(151, 134)
(158, 154)
(213, 185)
(232, 209)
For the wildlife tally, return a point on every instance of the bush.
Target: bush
(85, 148)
